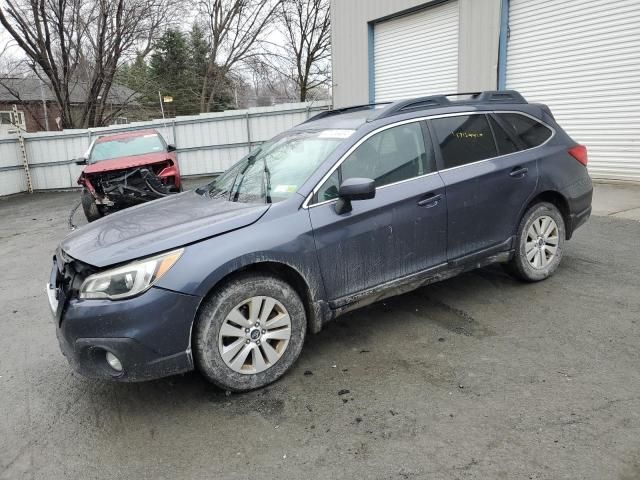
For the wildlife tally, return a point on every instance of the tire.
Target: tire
(91, 210)
(534, 258)
(221, 309)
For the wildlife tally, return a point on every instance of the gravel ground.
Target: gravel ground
(476, 377)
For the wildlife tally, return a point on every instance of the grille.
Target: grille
(71, 274)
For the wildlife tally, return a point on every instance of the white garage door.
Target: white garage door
(417, 54)
(582, 58)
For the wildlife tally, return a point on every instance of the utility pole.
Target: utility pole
(161, 105)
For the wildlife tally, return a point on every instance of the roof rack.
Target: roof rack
(435, 101)
(337, 111)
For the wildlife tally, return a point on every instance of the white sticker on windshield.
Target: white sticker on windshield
(342, 134)
(285, 188)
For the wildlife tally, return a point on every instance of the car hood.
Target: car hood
(157, 226)
(122, 163)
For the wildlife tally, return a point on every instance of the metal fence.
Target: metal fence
(207, 143)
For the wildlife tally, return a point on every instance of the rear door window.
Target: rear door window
(464, 139)
(529, 131)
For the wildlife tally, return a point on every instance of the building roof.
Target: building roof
(28, 90)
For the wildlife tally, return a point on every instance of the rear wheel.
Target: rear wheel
(249, 332)
(90, 207)
(539, 243)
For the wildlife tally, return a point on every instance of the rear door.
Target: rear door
(400, 231)
(487, 181)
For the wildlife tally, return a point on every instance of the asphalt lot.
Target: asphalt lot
(478, 377)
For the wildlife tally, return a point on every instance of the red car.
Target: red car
(126, 169)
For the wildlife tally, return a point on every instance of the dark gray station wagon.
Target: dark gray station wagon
(350, 207)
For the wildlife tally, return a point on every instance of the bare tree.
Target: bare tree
(268, 80)
(235, 30)
(306, 25)
(78, 45)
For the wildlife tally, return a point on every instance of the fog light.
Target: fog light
(114, 362)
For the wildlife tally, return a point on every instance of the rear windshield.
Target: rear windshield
(125, 147)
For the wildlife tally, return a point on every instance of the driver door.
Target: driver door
(401, 231)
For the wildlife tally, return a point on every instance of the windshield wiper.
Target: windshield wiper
(250, 161)
(267, 178)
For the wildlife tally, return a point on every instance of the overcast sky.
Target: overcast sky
(273, 37)
(4, 39)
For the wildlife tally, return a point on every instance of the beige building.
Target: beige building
(581, 57)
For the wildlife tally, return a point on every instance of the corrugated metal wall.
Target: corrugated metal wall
(478, 33)
(417, 55)
(581, 58)
(350, 45)
(207, 143)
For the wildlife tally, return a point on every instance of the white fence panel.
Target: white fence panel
(12, 178)
(51, 158)
(12, 181)
(207, 144)
(212, 160)
(8, 153)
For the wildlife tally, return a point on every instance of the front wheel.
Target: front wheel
(90, 207)
(539, 243)
(249, 332)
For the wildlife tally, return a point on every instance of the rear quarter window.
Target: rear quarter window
(529, 131)
(506, 143)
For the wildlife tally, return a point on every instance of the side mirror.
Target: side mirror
(80, 161)
(354, 189)
(171, 148)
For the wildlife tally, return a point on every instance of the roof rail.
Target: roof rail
(354, 108)
(435, 101)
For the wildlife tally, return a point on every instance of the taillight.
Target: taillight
(579, 152)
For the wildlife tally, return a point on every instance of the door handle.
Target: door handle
(430, 200)
(519, 172)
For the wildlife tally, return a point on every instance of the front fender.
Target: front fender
(170, 172)
(86, 183)
(286, 240)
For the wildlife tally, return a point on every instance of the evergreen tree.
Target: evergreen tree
(199, 50)
(177, 68)
(223, 89)
(137, 77)
(169, 67)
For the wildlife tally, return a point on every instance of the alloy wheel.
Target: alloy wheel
(254, 335)
(541, 244)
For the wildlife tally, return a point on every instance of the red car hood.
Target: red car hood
(121, 163)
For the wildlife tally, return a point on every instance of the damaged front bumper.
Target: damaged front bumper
(122, 189)
(149, 334)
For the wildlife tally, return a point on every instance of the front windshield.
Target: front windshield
(278, 168)
(126, 146)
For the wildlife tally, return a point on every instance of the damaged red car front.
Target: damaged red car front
(126, 169)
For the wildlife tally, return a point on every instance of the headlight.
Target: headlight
(130, 279)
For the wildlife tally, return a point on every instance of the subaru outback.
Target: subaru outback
(352, 206)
